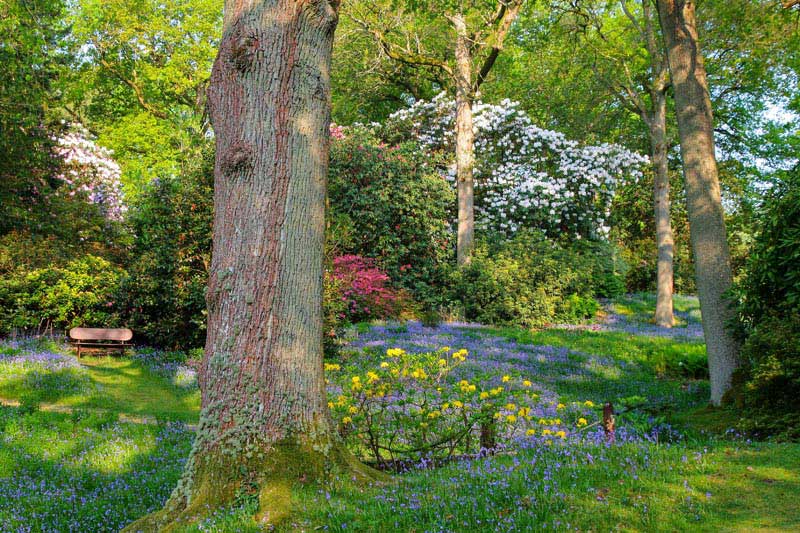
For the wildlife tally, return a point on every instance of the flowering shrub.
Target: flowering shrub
(89, 169)
(364, 288)
(525, 176)
(391, 203)
(402, 406)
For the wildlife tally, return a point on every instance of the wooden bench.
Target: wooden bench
(103, 338)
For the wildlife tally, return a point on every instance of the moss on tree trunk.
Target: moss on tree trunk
(264, 423)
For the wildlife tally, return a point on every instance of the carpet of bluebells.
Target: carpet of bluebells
(553, 467)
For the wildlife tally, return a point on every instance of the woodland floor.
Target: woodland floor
(90, 445)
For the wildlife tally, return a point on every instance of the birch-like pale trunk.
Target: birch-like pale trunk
(706, 216)
(665, 243)
(465, 140)
(264, 422)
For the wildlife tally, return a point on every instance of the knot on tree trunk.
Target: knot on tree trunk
(237, 158)
(245, 44)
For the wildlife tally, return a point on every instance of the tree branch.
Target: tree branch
(401, 54)
(506, 14)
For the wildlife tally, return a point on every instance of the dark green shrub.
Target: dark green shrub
(388, 203)
(78, 294)
(768, 384)
(163, 296)
(531, 281)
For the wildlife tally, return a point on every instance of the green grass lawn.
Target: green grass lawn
(120, 385)
(94, 468)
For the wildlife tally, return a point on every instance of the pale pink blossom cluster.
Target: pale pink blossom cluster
(90, 169)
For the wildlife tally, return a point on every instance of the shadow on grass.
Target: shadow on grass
(126, 386)
(84, 472)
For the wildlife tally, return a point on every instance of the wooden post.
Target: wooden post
(608, 421)
(488, 434)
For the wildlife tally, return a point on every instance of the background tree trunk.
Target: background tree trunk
(264, 424)
(664, 240)
(465, 140)
(706, 216)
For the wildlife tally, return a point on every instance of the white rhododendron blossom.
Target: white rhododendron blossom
(89, 169)
(525, 176)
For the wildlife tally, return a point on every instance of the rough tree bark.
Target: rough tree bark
(706, 216)
(665, 243)
(465, 140)
(264, 423)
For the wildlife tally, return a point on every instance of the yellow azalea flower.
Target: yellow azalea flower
(531, 432)
(471, 388)
(524, 411)
(341, 400)
(332, 366)
(542, 421)
(496, 391)
(330, 405)
(353, 410)
(372, 377)
(498, 414)
(506, 379)
(444, 349)
(395, 371)
(442, 362)
(588, 403)
(355, 386)
(356, 379)
(433, 414)
(384, 365)
(445, 406)
(419, 374)
(546, 432)
(510, 406)
(423, 424)
(582, 422)
(548, 443)
(457, 404)
(511, 418)
(395, 352)
(557, 421)
(560, 406)
(346, 420)
(562, 434)
(526, 383)
(484, 395)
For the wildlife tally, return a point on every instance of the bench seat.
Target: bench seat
(105, 338)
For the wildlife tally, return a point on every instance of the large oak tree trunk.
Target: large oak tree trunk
(465, 140)
(664, 240)
(264, 423)
(706, 217)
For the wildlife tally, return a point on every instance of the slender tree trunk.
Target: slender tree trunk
(465, 138)
(264, 423)
(706, 216)
(664, 240)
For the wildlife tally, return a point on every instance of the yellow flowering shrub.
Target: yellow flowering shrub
(402, 406)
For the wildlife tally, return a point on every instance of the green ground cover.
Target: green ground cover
(676, 465)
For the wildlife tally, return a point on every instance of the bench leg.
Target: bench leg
(79, 351)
